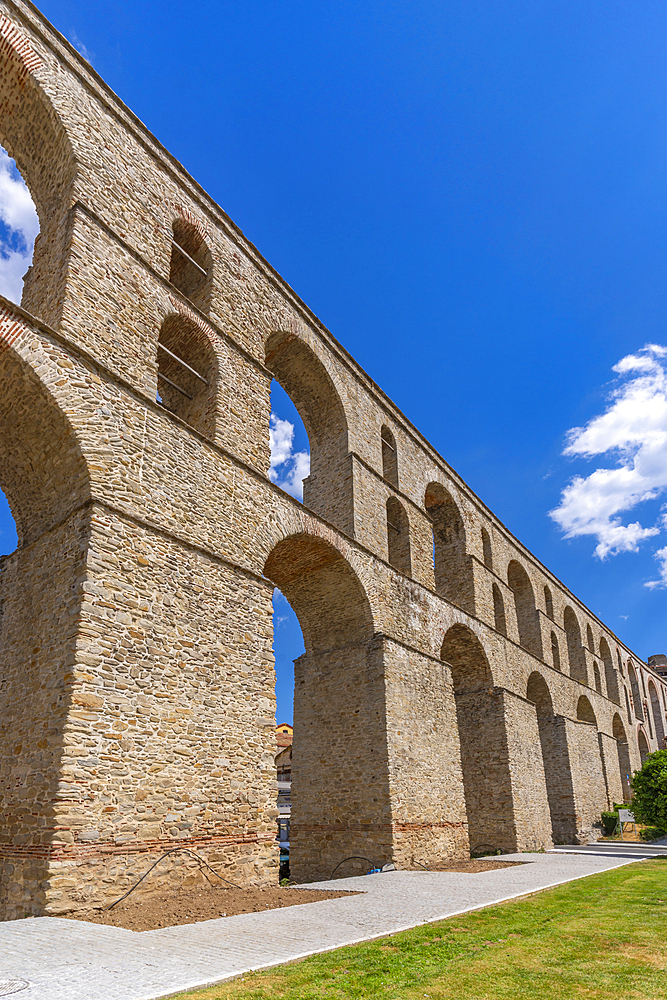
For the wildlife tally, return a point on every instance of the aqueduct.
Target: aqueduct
(452, 694)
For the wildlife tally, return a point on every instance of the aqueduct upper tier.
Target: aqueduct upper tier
(452, 694)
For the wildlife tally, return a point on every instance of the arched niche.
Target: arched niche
(191, 264)
(34, 136)
(589, 638)
(555, 652)
(624, 764)
(339, 770)
(555, 759)
(585, 711)
(487, 552)
(451, 564)
(657, 715)
(499, 619)
(634, 690)
(327, 490)
(642, 743)
(398, 536)
(389, 456)
(526, 612)
(597, 680)
(187, 381)
(482, 739)
(549, 603)
(575, 651)
(611, 680)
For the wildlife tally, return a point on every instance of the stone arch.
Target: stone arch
(487, 551)
(555, 758)
(398, 536)
(483, 741)
(624, 764)
(45, 478)
(451, 563)
(635, 693)
(589, 638)
(339, 772)
(187, 379)
(611, 680)
(526, 612)
(620, 662)
(555, 651)
(657, 715)
(549, 602)
(389, 456)
(499, 610)
(191, 263)
(575, 650)
(627, 704)
(597, 682)
(327, 490)
(585, 711)
(48, 167)
(642, 743)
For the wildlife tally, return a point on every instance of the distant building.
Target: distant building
(284, 734)
(283, 762)
(658, 663)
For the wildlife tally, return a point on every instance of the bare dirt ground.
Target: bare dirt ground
(202, 903)
(148, 913)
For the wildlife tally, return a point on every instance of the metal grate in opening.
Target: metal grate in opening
(10, 986)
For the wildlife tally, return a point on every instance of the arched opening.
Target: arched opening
(484, 753)
(596, 678)
(187, 373)
(555, 758)
(575, 651)
(526, 612)
(589, 638)
(634, 690)
(555, 651)
(657, 715)
(48, 165)
(624, 765)
(45, 479)
(191, 265)
(389, 456)
(620, 662)
(611, 680)
(398, 536)
(647, 716)
(499, 610)
(339, 773)
(327, 488)
(549, 603)
(642, 742)
(627, 705)
(451, 564)
(486, 549)
(585, 711)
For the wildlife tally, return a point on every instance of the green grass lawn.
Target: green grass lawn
(603, 938)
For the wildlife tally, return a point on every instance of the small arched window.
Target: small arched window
(187, 373)
(596, 678)
(549, 603)
(555, 651)
(589, 639)
(191, 266)
(627, 705)
(389, 456)
(486, 549)
(620, 662)
(398, 536)
(499, 610)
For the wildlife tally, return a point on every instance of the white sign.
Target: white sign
(625, 816)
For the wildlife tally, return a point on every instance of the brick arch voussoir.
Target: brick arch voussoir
(494, 659)
(182, 214)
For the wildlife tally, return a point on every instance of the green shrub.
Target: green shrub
(651, 833)
(609, 822)
(649, 787)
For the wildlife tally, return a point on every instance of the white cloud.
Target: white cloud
(294, 465)
(19, 229)
(81, 48)
(633, 431)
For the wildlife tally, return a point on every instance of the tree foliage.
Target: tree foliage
(649, 790)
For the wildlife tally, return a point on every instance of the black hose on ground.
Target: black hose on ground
(174, 850)
(353, 857)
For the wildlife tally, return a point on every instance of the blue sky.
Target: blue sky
(472, 196)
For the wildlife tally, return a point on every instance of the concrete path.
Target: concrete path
(62, 959)
(632, 850)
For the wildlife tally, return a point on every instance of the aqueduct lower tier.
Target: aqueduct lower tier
(452, 694)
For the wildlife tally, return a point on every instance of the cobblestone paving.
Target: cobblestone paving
(71, 960)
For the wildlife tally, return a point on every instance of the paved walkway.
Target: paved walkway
(72, 960)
